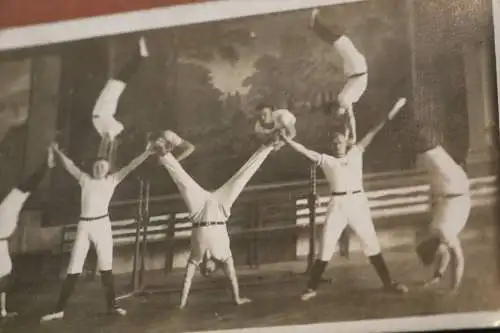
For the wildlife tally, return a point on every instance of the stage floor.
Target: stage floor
(353, 294)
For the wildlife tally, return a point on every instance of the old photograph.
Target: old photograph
(312, 165)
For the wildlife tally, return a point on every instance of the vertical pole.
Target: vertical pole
(312, 216)
(141, 220)
(145, 231)
(170, 239)
(145, 218)
(256, 254)
(137, 252)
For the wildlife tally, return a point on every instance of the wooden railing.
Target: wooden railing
(399, 201)
(266, 209)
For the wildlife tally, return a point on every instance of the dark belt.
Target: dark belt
(93, 218)
(206, 224)
(450, 195)
(353, 76)
(345, 193)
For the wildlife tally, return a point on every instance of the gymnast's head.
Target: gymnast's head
(264, 111)
(100, 168)
(339, 140)
(209, 265)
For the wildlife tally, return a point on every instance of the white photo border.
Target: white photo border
(123, 23)
(178, 15)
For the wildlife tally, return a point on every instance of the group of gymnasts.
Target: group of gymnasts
(209, 211)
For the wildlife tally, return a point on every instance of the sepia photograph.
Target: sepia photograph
(274, 167)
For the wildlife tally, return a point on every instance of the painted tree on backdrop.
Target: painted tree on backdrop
(203, 49)
(206, 115)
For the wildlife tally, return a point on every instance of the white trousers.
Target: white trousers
(10, 208)
(205, 206)
(354, 88)
(349, 210)
(105, 110)
(98, 233)
(5, 261)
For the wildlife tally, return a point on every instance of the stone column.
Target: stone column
(84, 71)
(42, 120)
(40, 129)
(481, 101)
(453, 77)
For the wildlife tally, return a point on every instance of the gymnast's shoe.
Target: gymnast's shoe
(117, 311)
(308, 295)
(242, 301)
(312, 20)
(8, 315)
(52, 316)
(143, 47)
(396, 287)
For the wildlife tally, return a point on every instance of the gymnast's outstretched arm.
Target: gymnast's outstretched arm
(186, 148)
(68, 164)
(310, 154)
(368, 138)
(134, 164)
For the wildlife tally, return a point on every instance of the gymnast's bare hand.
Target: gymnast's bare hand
(284, 137)
(54, 146)
(161, 147)
(242, 300)
(351, 141)
(432, 282)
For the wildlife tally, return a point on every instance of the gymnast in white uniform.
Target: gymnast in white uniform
(209, 212)
(94, 226)
(10, 208)
(355, 69)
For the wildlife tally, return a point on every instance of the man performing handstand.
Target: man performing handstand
(450, 198)
(271, 123)
(103, 114)
(355, 70)
(209, 213)
(10, 208)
